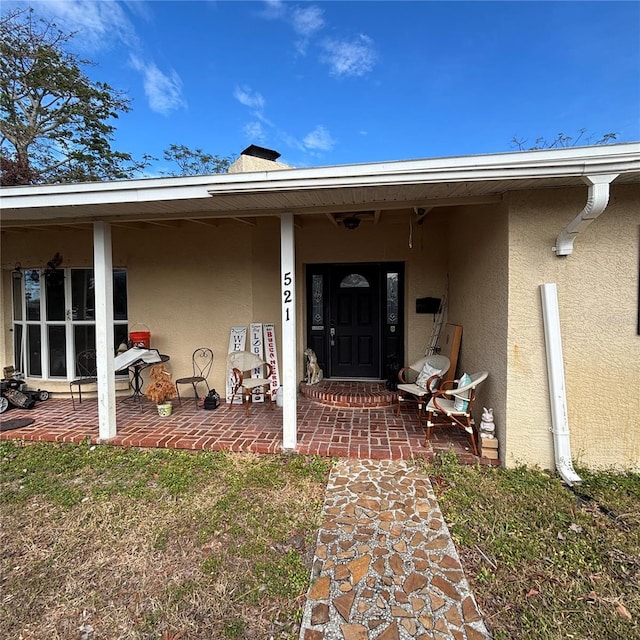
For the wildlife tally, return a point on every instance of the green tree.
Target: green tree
(194, 162)
(56, 125)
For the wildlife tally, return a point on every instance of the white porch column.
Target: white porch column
(288, 287)
(105, 350)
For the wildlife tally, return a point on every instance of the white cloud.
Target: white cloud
(98, 24)
(164, 91)
(319, 139)
(249, 98)
(349, 58)
(254, 132)
(306, 21)
(274, 9)
(106, 24)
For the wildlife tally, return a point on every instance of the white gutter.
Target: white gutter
(521, 165)
(597, 201)
(557, 392)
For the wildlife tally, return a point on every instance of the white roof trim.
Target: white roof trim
(565, 162)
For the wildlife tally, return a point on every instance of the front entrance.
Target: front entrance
(355, 318)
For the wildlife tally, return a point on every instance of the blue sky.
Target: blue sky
(339, 82)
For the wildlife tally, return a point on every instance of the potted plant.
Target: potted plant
(161, 389)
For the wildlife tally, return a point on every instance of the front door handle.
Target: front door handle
(332, 334)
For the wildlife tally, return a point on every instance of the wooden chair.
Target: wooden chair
(451, 405)
(201, 363)
(86, 373)
(417, 381)
(243, 366)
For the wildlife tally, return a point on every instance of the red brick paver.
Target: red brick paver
(322, 430)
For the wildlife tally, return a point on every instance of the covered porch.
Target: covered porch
(323, 429)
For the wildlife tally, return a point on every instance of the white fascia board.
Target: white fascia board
(519, 165)
(560, 163)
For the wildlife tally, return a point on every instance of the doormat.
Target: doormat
(15, 423)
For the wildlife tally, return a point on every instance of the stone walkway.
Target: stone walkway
(385, 566)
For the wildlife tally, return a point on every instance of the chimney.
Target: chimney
(255, 158)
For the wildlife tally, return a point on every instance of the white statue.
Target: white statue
(314, 372)
(487, 426)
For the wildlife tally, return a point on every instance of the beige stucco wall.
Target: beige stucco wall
(190, 283)
(598, 304)
(478, 280)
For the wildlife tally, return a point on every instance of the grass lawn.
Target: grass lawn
(111, 543)
(543, 563)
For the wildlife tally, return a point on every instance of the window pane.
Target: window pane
(120, 334)
(82, 294)
(84, 337)
(354, 280)
(34, 349)
(32, 293)
(17, 346)
(57, 351)
(119, 295)
(317, 311)
(392, 298)
(54, 283)
(16, 287)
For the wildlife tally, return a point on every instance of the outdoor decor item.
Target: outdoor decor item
(487, 426)
(314, 372)
(161, 389)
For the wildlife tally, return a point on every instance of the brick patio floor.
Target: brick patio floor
(323, 430)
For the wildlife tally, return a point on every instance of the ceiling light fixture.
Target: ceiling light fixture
(351, 223)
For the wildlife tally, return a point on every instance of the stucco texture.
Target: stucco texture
(598, 305)
(190, 283)
(478, 281)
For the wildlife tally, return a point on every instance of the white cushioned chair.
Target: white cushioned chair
(417, 382)
(452, 406)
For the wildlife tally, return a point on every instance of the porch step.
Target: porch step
(349, 394)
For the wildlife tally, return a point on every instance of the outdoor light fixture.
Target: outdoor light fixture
(351, 223)
(17, 271)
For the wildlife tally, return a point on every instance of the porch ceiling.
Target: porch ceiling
(381, 187)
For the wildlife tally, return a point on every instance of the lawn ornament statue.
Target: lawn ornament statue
(487, 426)
(314, 372)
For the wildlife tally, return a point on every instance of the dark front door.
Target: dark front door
(355, 318)
(355, 322)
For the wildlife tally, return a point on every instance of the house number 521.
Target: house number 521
(287, 296)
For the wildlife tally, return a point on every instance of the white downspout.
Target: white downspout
(597, 201)
(557, 392)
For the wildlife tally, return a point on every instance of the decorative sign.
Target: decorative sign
(271, 355)
(237, 341)
(256, 347)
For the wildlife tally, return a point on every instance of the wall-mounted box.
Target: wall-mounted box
(427, 305)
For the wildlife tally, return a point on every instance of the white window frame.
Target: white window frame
(69, 323)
